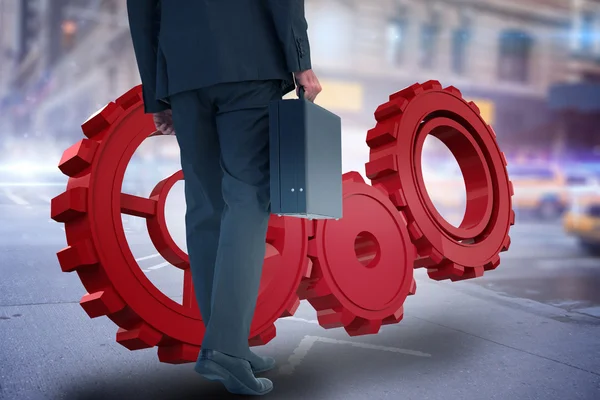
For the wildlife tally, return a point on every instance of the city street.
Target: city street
(529, 330)
(429, 88)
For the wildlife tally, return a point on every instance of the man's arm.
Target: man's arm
(144, 27)
(291, 26)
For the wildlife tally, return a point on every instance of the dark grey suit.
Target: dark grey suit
(218, 64)
(189, 44)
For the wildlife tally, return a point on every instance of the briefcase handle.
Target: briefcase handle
(300, 90)
(301, 93)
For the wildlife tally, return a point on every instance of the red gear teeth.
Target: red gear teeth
(396, 142)
(78, 157)
(361, 283)
(97, 250)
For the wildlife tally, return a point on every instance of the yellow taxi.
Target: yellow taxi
(540, 190)
(582, 220)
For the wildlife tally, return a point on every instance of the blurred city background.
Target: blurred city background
(532, 67)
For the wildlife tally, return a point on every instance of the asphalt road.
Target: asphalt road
(529, 330)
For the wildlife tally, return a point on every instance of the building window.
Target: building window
(460, 42)
(461, 38)
(430, 32)
(396, 37)
(515, 53)
(586, 36)
(29, 26)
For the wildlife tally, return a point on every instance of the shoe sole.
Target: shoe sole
(215, 372)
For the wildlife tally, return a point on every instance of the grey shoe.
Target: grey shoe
(235, 373)
(261, 364)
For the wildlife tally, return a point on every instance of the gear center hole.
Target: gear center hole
(367, 250)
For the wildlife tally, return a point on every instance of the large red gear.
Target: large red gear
(396, 142)
(97, 250)
(362, 264)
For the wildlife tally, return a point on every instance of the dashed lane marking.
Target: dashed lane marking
(298, 355)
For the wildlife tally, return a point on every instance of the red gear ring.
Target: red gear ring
(97, 249)
(362, 264)
(396, 144)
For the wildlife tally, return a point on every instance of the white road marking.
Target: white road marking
(15, 199)
(44, 198)
(307, 342)
(308, 321)
(147, 257)
(583, 262)
(376, 347)
(298, 355)
(159, 265)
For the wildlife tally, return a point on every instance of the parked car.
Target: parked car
(582, 220)
(540, 190)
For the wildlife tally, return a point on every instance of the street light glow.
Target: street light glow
(69, 27)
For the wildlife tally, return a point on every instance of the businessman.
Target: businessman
(209, 69)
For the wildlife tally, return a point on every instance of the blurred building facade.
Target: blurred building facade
(575, 104)
(503, 54)
(70, 57)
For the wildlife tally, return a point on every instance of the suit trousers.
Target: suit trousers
(223, 136)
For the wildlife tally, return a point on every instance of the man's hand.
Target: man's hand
(308, 80)
(164, 122)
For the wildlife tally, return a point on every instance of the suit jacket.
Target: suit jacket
(189, 44)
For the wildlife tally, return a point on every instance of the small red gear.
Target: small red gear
(362, 264)
(396, 144)
(97, 250)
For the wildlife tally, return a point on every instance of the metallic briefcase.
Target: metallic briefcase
(306, 160)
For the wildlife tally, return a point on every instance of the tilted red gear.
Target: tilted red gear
(362, 264)
(97, 250)
(396, 142)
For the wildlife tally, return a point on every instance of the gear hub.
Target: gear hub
(362, 264)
